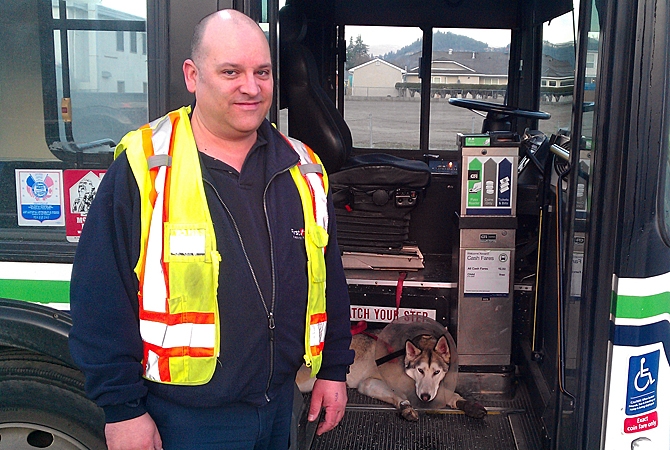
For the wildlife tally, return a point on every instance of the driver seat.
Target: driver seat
(373, 193)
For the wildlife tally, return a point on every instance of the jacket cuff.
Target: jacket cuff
(333, 373)
(124, 411)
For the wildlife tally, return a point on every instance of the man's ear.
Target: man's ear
(190, 75)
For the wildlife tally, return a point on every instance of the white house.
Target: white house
(376, 78)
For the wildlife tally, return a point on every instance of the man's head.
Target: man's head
(230, 73)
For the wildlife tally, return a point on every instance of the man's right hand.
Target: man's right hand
(139, 433)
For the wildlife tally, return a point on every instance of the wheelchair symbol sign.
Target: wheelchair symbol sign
(642, 383)
(643, 378)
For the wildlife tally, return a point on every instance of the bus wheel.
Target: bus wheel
(42, 406)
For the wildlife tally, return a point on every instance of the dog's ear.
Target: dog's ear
(411, 350)
(442, 347)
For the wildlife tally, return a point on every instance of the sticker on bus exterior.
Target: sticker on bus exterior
(638, 406)
(39, 198)
(642, 382)
(80, 189)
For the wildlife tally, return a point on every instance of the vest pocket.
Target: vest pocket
(186, 243)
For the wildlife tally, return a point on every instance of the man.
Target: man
(191, 304)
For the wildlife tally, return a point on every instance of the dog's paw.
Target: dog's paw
(407, 412)
(471, 409)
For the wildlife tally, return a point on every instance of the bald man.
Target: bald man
(192, 309)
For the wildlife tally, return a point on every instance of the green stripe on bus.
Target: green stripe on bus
(629, 307)
(40, 291)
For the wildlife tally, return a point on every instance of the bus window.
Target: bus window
(22, 127)
(382, 105)
(664, 192)
(106, 71)
(558, 73)
(73, 81)
(470, 63)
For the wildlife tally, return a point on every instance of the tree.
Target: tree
(357, 52)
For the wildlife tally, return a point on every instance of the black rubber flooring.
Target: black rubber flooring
(372, 425)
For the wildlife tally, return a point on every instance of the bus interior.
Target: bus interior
(515, 343)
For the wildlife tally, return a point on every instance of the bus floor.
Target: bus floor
(373, 425)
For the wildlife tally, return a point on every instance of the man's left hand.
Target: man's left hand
(332, 396)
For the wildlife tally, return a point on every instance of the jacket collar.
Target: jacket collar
(280, 154)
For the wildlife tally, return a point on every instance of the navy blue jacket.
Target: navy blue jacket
(256, 213)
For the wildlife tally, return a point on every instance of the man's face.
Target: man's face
(232, 80)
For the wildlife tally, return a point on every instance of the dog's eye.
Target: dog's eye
(436, 372)
(420, 371)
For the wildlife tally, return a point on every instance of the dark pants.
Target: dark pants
(236, 426)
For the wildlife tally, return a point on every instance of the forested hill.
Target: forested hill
(441, 42)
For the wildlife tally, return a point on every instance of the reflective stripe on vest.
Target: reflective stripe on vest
(179, 319)
(312, 182)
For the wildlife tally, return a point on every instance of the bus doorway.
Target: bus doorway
(473, 118)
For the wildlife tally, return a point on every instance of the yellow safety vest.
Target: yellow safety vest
(179, 318)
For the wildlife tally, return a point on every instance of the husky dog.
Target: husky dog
(411, 363)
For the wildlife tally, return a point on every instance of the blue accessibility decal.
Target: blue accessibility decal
(642, 383)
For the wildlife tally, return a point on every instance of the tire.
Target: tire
(43, 406)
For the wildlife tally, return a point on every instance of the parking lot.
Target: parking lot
(394, 122)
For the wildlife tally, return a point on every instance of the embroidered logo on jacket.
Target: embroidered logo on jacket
(298, 234)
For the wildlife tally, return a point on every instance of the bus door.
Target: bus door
(614, 252)
(632, 139)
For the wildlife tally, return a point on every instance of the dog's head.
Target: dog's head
(427, 363)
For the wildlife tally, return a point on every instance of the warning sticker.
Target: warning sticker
(386, 314)
(80, 189)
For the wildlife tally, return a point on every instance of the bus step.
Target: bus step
(372, 425)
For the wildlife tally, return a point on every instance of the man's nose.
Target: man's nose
(250, 84)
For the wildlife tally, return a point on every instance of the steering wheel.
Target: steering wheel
(498, 109)
(497, 115)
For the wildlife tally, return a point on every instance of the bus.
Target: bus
(500, 167)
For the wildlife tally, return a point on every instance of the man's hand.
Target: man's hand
(139, 433)
(331, 395)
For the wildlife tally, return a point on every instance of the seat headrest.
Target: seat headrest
(292, 24)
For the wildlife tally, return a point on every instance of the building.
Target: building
(376, 78)
(460, 74)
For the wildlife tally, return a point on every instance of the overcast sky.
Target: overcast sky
(382, 40)
(386, 39)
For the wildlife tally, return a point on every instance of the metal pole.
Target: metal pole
(370, 117)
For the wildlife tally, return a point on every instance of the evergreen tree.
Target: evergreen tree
(357, 52)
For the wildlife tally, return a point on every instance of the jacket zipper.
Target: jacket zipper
(268, 311)
(272, 268)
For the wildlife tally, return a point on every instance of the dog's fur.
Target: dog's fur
(422, 378)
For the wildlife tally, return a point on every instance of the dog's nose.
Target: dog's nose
(425, 397)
